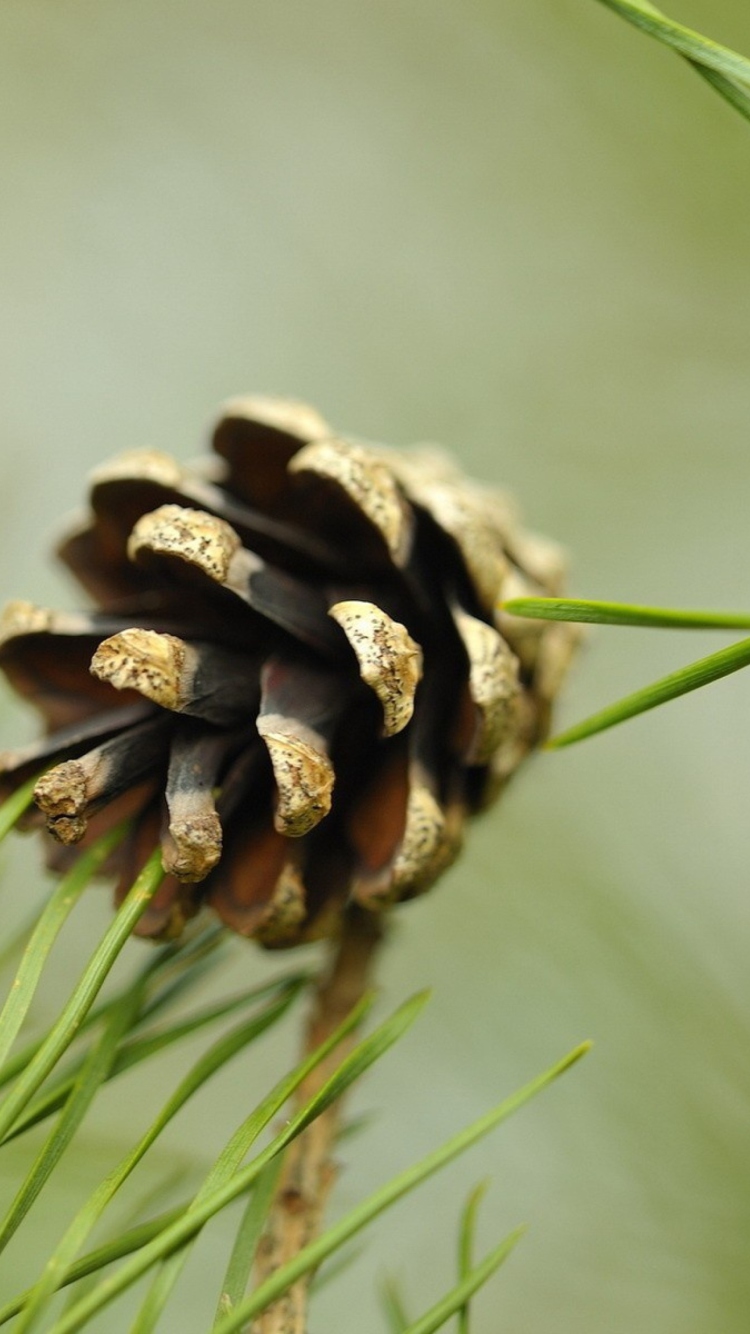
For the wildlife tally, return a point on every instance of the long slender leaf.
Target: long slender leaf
(457, 1299)
(466, 1249)
(47, 930)
(229, 1162)
(150, 1044)
(64, 1030)
(312, 1255)
(697, 674)
(21, 1059)
(622, 613)
(174, 968)
(686, 41)
(187, 1227)
(116, 1249)
(135, 1050)
(726, 88)
(228, 1046)
(331, 1271)
(87, 1085)
(128, 1221)
(15, 944)
(393, 1307)
(731, 92)
(237, 1276)
(182, 961)
(13, 807)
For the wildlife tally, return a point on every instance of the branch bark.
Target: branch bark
(309, 1170)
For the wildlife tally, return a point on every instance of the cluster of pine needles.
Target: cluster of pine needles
(56, 1078)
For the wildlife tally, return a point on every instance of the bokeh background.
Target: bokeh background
(519, 228)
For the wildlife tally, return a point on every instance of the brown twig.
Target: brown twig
(309, 1171)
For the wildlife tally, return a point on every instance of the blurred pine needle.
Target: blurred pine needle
(727, 71)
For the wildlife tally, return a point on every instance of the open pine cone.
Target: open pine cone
(297, 679)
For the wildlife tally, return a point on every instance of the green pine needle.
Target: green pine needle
(60, 1263)
(85, 1088)
(457, 1299)
(392, 1302)
(231, 1182)
(126, 1223)
(134, 1050)
(237, 1277)
(62, 1033)
(727, 71)
(692, 677)
(91, 1263)
(229, 1162)
(585, 610)
(47, 929)
(13, 807)
(731, 92)
(466, 1248)
(317, 1251)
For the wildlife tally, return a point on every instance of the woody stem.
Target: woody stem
(309, 1171)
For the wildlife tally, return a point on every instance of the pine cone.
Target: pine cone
(296, 679)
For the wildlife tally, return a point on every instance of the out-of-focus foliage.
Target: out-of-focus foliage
(520, 229)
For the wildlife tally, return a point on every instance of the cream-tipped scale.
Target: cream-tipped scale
(389, 660)
(403, 858)
(191, 845)
(70, 793)
(25, 618)
(146, 480)
(17, 765)
(301, 707)
(303, 774)
(192, 536)
(207, 552)
(422, 841)
(203, 680)
(369, 486)
(493, 685)
(258, 436)
(475, 518)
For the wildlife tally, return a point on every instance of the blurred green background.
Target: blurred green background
(521, 229)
